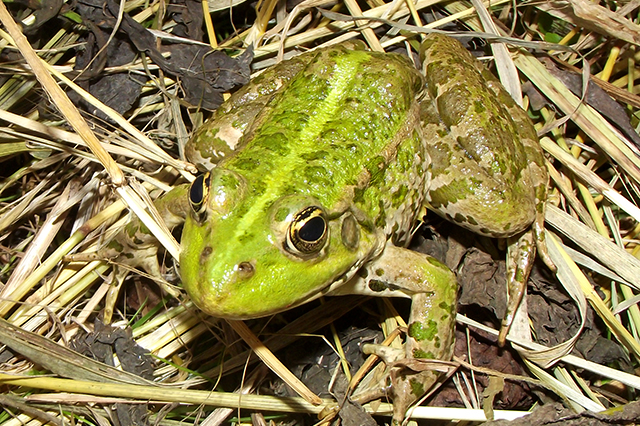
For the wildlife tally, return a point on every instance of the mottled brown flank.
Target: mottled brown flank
(440, 157)
(482, 135)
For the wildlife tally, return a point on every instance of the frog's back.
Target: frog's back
(341, 130)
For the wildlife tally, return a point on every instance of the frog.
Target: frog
(314, 177)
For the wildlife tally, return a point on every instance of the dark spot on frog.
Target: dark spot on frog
(417, 353)
(376, 167)
(458, 189)
(460, 218)
(116, 246)
(380, 285)
(491, 233)
(277, 143)
(399, 196)
(314, 155)
(283, 122)
(382, 217)
(352, 100)
(289, 189)
(242, 209)
(377, 286)
(247, 163)
(281, 214)
(245, 237)
(367, 226)
(350, 234)
(228, 181)
(358, 195)
(479, 107)
(424, 332)
(258, 187)
(318, 175)
(417, 388)
(205, 254)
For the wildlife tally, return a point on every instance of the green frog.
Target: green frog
(315, 174)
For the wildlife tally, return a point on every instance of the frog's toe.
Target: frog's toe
(405, 380)
(388, 354)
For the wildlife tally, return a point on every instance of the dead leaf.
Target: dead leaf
(592, 16)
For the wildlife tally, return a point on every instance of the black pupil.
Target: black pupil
(312, 230)
(196, 192)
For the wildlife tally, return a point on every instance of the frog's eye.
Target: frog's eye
(198, 194)
(308, 232)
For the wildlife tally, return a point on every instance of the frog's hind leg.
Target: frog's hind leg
(521, 254)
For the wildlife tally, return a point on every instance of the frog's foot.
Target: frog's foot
(135, 247)
(407, 379)
(433, 290)
(138, 258)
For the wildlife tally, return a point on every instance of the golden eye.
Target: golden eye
(198, 195)
(308, 232)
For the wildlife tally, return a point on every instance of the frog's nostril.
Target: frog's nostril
(245, 269)
(205, 254)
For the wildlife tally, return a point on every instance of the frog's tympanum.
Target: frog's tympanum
(316, 173)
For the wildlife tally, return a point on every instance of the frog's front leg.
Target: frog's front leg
(136, 246)
(433, 290)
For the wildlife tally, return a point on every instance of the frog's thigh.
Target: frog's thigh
(475, 196)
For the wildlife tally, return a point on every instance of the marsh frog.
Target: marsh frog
(315, 174)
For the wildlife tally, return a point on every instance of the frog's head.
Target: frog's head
(244, 256)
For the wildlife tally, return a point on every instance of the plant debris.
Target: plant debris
(158, 69)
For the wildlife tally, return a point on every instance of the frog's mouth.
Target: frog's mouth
(251, 289)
